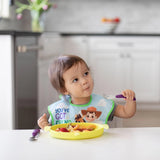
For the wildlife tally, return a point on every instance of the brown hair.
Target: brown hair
(59, 66)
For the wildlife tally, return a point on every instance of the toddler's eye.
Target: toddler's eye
(86, 73)
(75, 80)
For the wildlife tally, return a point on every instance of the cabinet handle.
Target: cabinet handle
(23, 49)
(125, 44)
(125, 55)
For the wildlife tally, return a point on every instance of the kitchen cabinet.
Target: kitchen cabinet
(120, 63)
(76, 45)
(6, 82)
(52, 48)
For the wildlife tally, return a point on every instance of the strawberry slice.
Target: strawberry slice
(63, 130)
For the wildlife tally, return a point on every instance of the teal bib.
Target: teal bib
(97, 110)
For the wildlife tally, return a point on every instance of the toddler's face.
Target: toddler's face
(78, 81)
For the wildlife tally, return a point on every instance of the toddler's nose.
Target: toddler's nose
(84, 81)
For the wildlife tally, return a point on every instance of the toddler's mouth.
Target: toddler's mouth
(87, 88)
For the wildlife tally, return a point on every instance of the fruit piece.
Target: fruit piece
(76, 127)
(116, 20)
(103, 20)
(81, 130)
(57, 129)
(91, 126)
(90, 129)
(63, 130)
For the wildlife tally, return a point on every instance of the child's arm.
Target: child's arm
(129, 109)
(42, 121)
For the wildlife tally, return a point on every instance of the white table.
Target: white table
(114, 144)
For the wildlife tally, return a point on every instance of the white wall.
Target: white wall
(85, 15)
(137, 16)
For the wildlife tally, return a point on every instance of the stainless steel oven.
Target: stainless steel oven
(26, 81)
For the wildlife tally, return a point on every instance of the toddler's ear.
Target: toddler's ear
(65, 92)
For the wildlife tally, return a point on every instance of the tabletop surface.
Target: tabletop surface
(114, 144)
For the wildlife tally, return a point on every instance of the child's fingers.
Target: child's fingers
(129, 94)
(45, 116)
(124, 94)
(42, 121)
(132, 95)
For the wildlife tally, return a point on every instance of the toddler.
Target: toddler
(71, 77)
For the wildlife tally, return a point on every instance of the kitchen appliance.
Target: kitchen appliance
(26, 90)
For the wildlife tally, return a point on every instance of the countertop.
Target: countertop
(114, 144)
(19, 33)
(108, 34)
(30, 33)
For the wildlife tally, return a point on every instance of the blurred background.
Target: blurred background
(120, 40)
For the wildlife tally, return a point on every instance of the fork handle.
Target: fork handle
(121, 96)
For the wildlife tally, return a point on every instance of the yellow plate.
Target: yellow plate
(98, 131)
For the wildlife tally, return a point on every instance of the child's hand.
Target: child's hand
(129, 94)
(42, 121)
(129, 109)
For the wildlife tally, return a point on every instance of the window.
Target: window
(4, 8)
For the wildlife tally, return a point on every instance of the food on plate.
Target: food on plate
(76, 131)
(77, 128)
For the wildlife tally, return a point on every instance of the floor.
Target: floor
(143, 119)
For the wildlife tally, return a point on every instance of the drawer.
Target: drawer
(124, 42)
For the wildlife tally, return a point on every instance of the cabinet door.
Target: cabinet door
(52, 47)
(107, 72)
(46, 93)
(144, 76)
(75, 45)
(7, 83)
(114, 72)
(126, 63)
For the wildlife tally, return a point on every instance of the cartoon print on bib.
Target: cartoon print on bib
(91, 114)
(79, 118)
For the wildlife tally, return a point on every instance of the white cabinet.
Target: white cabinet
(51, 48)
(76, 45)
(6, 82)
(120, 63)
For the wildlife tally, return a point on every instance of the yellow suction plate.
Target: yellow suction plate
(98, 131)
